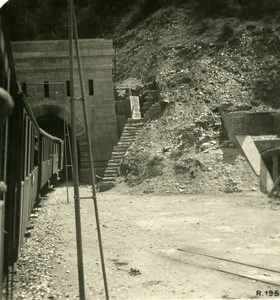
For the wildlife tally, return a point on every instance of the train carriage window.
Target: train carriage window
(36, 150)
(25, 145)
(3, 77)
(48, 157)
(24, 88)
(29, 147)
(45, 142)
(32, 147)
(46, 89)
(43, 149)
(46, 149)
(2, 151)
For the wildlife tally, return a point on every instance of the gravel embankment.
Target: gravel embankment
(32, 273)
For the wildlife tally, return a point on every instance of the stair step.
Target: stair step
(110, 174)
(111, 171)
(118, 152)
(121, 147)
(135, 129)
(132, 128)
(129, 133)
(113, 164)
(117, 160)
(116, 155)
(127, 139)
(115, 171)
(125, 143)
(106, 180)
(121, 152)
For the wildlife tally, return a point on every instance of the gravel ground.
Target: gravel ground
(141, 237)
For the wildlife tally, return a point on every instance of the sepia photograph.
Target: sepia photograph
(139, 149)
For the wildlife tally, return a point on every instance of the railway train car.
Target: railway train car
(29, 158)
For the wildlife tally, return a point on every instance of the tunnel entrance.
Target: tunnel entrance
(54, 126)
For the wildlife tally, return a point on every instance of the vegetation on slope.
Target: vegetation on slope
(203, 67)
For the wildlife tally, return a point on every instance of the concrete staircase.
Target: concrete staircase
(130, 131)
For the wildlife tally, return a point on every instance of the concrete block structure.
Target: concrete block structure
(43, 69)
(257, 134)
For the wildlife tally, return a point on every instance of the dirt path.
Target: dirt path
(142, 235)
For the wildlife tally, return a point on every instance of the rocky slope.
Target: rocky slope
(203, 67)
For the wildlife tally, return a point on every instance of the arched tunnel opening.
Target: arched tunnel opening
(55, 126)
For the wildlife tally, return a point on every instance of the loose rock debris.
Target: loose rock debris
(134, 272)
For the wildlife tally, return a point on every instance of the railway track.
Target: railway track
(224, 265)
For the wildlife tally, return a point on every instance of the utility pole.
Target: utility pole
(75, 160)
(72, 22)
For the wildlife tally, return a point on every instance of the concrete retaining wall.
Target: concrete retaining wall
(243, 123)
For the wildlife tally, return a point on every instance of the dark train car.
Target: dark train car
(29, 158)
(58, 152)
(6, 73)
(51, 157)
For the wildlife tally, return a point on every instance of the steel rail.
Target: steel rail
(229, 260)
(220, 270)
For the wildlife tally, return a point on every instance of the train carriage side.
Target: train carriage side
(29, 157)
(30, 170)
(61, 155)
(11, 161)
(51, 157)
(3, 140)
(20, 162)
(57, 156)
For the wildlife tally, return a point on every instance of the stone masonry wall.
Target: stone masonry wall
(243, 123)
(40, 61)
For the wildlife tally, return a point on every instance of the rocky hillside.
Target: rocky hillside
(203, 67)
